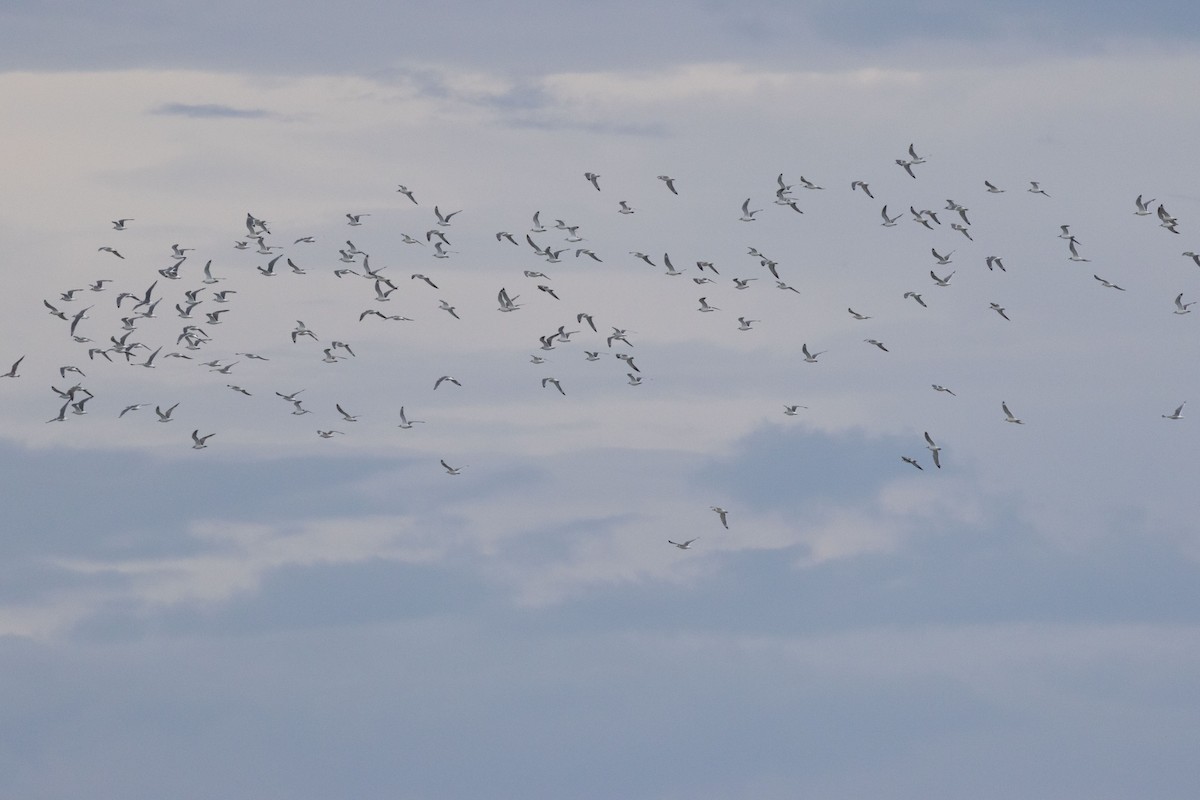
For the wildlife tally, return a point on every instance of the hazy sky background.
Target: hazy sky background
(281, 615)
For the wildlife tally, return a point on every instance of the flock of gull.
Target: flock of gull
(105, 317)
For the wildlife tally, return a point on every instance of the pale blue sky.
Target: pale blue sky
(280, 615)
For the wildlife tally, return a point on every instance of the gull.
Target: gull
(119, 224)
(992, 187)
(291, 398)
(1177, 414)
(507, 303)
(149, 362)
(994, 261)
(1065, 232)
(683, 545)
(723, 514)
(1034, 188)
(916, 297)
(110, 250)
(92, 351)
(355, 219)
(544, 288)
(624, 208)
(505, 235)
(933, 448)
(643, 257)
(381, 315)
(438, 382)
(937, 387)
(1193, 256)
(669, 181)
(537, 360)
(12, 373)
(1108, 284)
(941, 281)
(1142, 207)
(670, 267)
(198, 441)
(129, 408)
(791, 410)
(857, 315)
(743, 283)
(634, 380)
(783, 187)
(407, 423)
(703, 265)
(744, 324)
(704, 306)
(225, 369)
(628, 359)
(214, 317)
(299, 409)
(584, 251)
(69, 295)
(961, 229)
(907, 166)
(811, 358)
(877, 343)
(942, 260)
(547, 342)
(432, 232)
(343, 346)
(1074, 252)
(410, 240)
(913, 461)
(269, 269)
(702, 281)
(862, 185)
(54, 312)
(563, 334)
(809, 184)
(440, 250)
(556, 385)
(302, 330)
(529, 273)
(444, 219)
(593, 178)
(451, 470)
(419, 276)
(98, 286)
(380, 295)
(962, 210)
(345, 415)
(444, 306)
(585, 317)
(919, 216)
(1182, 307)
(328, 434)
(592, 355)
(889, 222)
(62, 413)
(996, 307)
(80, 315)
(537, 223)
(208, 276)
(305, 240)
(165, 416)
(618, 334)
(295, 268)
(330, 358)
(785, 287)
(916, 159)
(238, 389)
(404, 190)
(1008, 415)
(747, 214)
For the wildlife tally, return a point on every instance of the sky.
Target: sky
(283, 614)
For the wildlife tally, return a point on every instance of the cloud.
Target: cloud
(209, 111)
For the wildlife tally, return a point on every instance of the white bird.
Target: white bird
(451, 470)
(449, 309)
(444, 219)
(634, 380)
(1074, 251)
(1108, 284)
(1182, 307)
(889, 222)
(723, 514)
(992, 187)
(404, 190)
(744, 324)
(791, 410)
(747, 214)
(1142, 207)
(913, 461)
(624, 208)
(557, 385)
(1036, 189)
(941, 281)
(996, 307)
(862, 185)
(683, 545)
(328, 434)
(405, 422)
(119, 224)
(439, 381)
(916, 297)
(12, 373)
(198, 441)
(1177, 414)
(1008, 415)
(345, 415)
(937, 387)
(877, 343)
(704, 306)
(941, 259)
(164, 416)
(857, 315)
(811, 358)
(593, 178)
(933, 448)
(669, 181)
